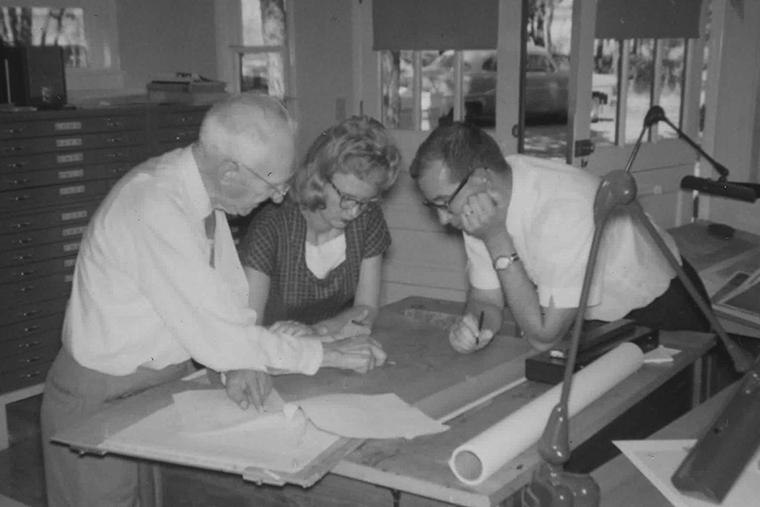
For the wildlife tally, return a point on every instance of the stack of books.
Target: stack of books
(185, 88)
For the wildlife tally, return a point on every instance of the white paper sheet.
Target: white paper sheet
(368, 416)
(272, 442)
(210, 410)
(659, 459)
(477, 459)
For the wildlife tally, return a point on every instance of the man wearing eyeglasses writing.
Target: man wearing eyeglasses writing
(158, 282)
(528, 226)
(316, 259)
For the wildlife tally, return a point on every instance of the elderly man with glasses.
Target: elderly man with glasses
(316, 259)
(527, 225)
(158, 282)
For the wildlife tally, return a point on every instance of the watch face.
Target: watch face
(502, 262)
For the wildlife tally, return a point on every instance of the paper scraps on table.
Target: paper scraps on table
(211, 410)
(368, 416)
(660, 355)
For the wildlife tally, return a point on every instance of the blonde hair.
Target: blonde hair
(359, 146)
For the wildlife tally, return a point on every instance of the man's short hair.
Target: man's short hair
(245, 117)
(462, 148)
(358, 146)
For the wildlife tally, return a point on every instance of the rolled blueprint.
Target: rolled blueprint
(475, 460)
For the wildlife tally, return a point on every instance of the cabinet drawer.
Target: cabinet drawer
(180, 136)
(24, 377)
(28, 179)
(32, 270)
(30, 344)
(28, 239)
(24, 256)
(56, 195)
(28, 359)
(180, 118)
(66, 126)
(40, 325)
(32, 311)
(77, 158)
(19, 147)
(39, 289)
(75, 214)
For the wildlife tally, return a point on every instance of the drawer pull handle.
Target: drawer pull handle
(20, 198)
(27, 288)
(22, 241)
(30, 313)
(21, 225)
(114, 140)
(17, 165)
(19, 181)
(35, 359)
(14, 148)
(117, 155)
(23, 257)
(29, 345)
(30, 329)
(25, 273)
(31, 375)
(112, 123)
(13, 131)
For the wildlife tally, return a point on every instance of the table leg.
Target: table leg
(151, 487)
(697, 391)
(11, 397)
(396, 494)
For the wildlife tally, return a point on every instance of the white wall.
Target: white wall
(737, 122)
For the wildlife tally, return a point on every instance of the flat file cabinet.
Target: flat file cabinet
(55, 168)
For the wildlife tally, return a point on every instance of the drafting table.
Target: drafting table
(428, 373)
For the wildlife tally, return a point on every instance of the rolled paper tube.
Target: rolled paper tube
(477, 459)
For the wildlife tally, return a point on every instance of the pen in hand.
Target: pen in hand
(480, 327)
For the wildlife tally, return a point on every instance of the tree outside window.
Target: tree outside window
(47, 26)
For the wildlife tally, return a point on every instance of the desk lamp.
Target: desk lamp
(551, 485)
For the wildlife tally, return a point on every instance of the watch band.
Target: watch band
(503, 262)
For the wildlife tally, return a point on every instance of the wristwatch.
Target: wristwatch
(502, 262)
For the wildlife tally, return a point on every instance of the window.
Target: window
(629, 77)
(47, 26)
(253, 45)
(421, 89)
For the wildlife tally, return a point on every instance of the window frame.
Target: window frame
(229, 42)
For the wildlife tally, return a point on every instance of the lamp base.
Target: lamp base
(553, 487)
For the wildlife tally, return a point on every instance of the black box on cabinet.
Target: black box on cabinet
(33, 76)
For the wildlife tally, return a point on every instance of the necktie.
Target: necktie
(225, 259)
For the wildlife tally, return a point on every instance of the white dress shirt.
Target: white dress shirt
(145, 293)
(550, 219)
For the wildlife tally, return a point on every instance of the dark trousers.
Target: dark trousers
(675, 309)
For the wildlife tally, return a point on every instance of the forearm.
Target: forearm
(522, 298)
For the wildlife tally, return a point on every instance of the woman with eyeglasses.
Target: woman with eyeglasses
(316, 259)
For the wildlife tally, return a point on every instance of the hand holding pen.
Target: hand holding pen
(468, 334)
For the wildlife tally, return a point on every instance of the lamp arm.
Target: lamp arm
(722, 170)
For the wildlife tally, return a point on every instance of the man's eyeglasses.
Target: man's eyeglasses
(280, 190)
(444, 206)
(348, 201)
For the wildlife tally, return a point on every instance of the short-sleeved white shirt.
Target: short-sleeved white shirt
(550, 220)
